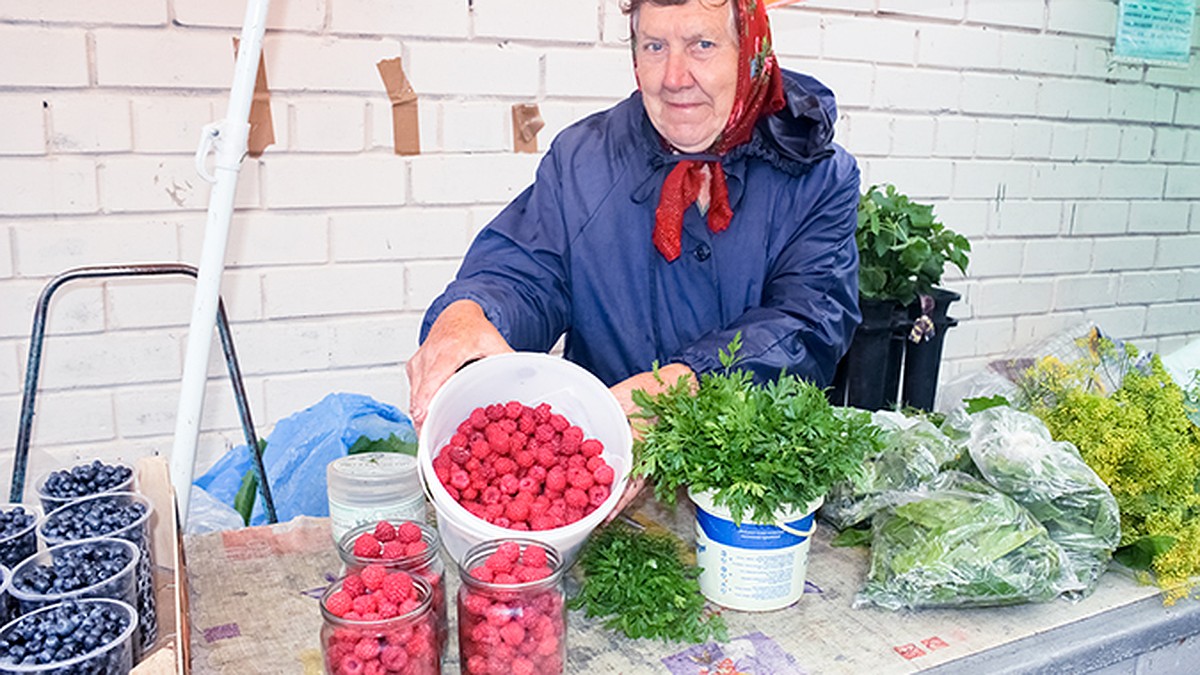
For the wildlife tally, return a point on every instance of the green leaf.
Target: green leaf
(243, 501)
(981, 403)
(392, 443)
(851, 537)
(1140, 554)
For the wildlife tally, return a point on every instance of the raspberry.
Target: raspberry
(354, 586)
(571, 438)
(458, 440)
(398, 587)
(491, 495)
(408, 532)
(350, 665)
(504, 465)
(525, 459)
(373, 576)
(460, 480)
(559, 423)
(480, 449)
(460, 455)
(576, 498)
(384, 531)
(512, 633)
(591, 447)
(538, 473)
(365, 604)
(513, 409)
(516, 510)
(556, 479)
(409, 605)
(523, 666)
(366, 649)
(416, 548)
(509, 484)
(394, 658)
(577, 462)
(338, 603)
(495, 412)
(534, 556)
(604, 474)
(527, 574)
(394, 550)
(543, 433)
(542, 522)
(366, 546)
(516, 444)
(387, 610)
(509, 550)
(478, 418)
(483, 573)
(498, 563)
(477, 665)
(580, 478)
(477, 604)
(545, 456)
(542, 413)
(597, 494)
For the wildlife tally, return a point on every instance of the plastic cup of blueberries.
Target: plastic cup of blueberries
(18, 541)
(97, 633)
(117, 515)
(63, 486)
(90, 568)
(5, 598)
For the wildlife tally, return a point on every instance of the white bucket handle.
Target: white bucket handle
(798, 533)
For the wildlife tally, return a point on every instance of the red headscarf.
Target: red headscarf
(759, 93)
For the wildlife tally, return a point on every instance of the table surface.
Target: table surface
(254, 593)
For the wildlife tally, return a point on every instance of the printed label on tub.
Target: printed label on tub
(752, 535)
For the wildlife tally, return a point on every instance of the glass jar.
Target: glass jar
(402, 644)
(428, 565)
(517, 628)
(370, 487)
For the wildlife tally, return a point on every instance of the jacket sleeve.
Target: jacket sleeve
(516, 268)
(809, 306)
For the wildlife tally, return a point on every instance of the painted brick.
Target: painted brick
(111, 357)
(1158, 217)
(999, 94)
(241, 291)
(978, 336)
(149, 302)
(6, 253)
(956, 137)
(499, 70)
(425, 280)
(1191, 152)
(1188, 111)
(1031, 139)
(10, 372)
(1136, 143)
(1183, 181)
(967, 47)
(1099, 217)
(24, 128)
(1029, 219)
(51, 186)
(1034, 329)
(151, 410)
(1175, 77)
(1103, 141)
(912, 137)
(285, 346)
(493, 178)
(1124, 323)
(43, 57)
(1084, 292)
(609, 72)
(870, 134)
(852, 83)
(1088, 17)
(136, 12)
(976, 179)
(89, 124)
(1138, 181)
(1167, 318)
(317, 63)
(1068, 142)
(968, 218)
(173, 59)
(259, 239)
(995, 139)
(400, 17)
(376, 341)
(1194, 228)
(342, 289)
(1123, 253)
(77, 308)
(362, 180)
(170, 124)
(1013, 298)
(165, 183)
(537, 20)
(1037, 53)
(485, 126)
(72, 417)
(1024, 13)
(1178, 251)
(1072, 99)
(400, 234)
(614, 25)
(1168, 144)
(922, 179)
(285, 394)
(996, 258)
(47, 248)
(1094, 61)
(558, 116)
(1148, 287)
(327, 125)
(306, 15)
(842, 5)
(1132, 102)
(797, 35)
(1189, 285)
(892, 41)
(912, 89)
(935, 9)
(1066, 181)
(1058, 256)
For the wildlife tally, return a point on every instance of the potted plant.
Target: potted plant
(756, 460)
(903, 251)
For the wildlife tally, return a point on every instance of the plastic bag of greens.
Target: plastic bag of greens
(958, 542)
(913, 452)
(1015, 453)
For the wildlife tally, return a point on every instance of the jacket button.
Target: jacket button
(702, 252)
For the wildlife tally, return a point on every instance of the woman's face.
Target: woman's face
(686, 59)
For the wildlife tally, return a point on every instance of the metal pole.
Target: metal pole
(229, 138)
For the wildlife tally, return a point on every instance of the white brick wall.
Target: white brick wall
(1078, 182)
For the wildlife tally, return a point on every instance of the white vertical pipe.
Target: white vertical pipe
(231, 149)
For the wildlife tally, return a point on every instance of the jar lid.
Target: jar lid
(371, 476)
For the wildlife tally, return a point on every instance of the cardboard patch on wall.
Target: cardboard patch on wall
(262, 128)
(406, 127)
(526, 123)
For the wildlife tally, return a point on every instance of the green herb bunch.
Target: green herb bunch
(639, 583)
(759, 448)
(902, 248)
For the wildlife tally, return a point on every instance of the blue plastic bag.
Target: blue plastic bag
(299, 449)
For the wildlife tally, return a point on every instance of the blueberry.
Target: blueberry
(38, 638)
(15, 546)
(85, 480)
(74, 567)
(93, 518)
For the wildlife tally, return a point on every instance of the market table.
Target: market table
(254, 593)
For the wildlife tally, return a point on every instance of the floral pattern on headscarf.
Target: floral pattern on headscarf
(759, 93)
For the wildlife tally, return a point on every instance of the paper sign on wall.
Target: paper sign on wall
(1157, 32)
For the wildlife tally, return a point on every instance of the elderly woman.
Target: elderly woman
(709, 203)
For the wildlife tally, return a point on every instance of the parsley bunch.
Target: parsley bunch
(759, 448)
(639, 583)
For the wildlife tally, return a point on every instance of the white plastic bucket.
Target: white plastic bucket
(531, 379)
(753, 567)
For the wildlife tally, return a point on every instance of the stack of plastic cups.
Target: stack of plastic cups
(51, 502)
(120, 586)
(6, 603)
(113, 657)
(20, 545)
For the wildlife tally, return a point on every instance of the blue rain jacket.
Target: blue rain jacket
(572, 254)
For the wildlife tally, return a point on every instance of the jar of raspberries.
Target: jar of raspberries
(379, 621)
(404, 545)
(511, 610)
